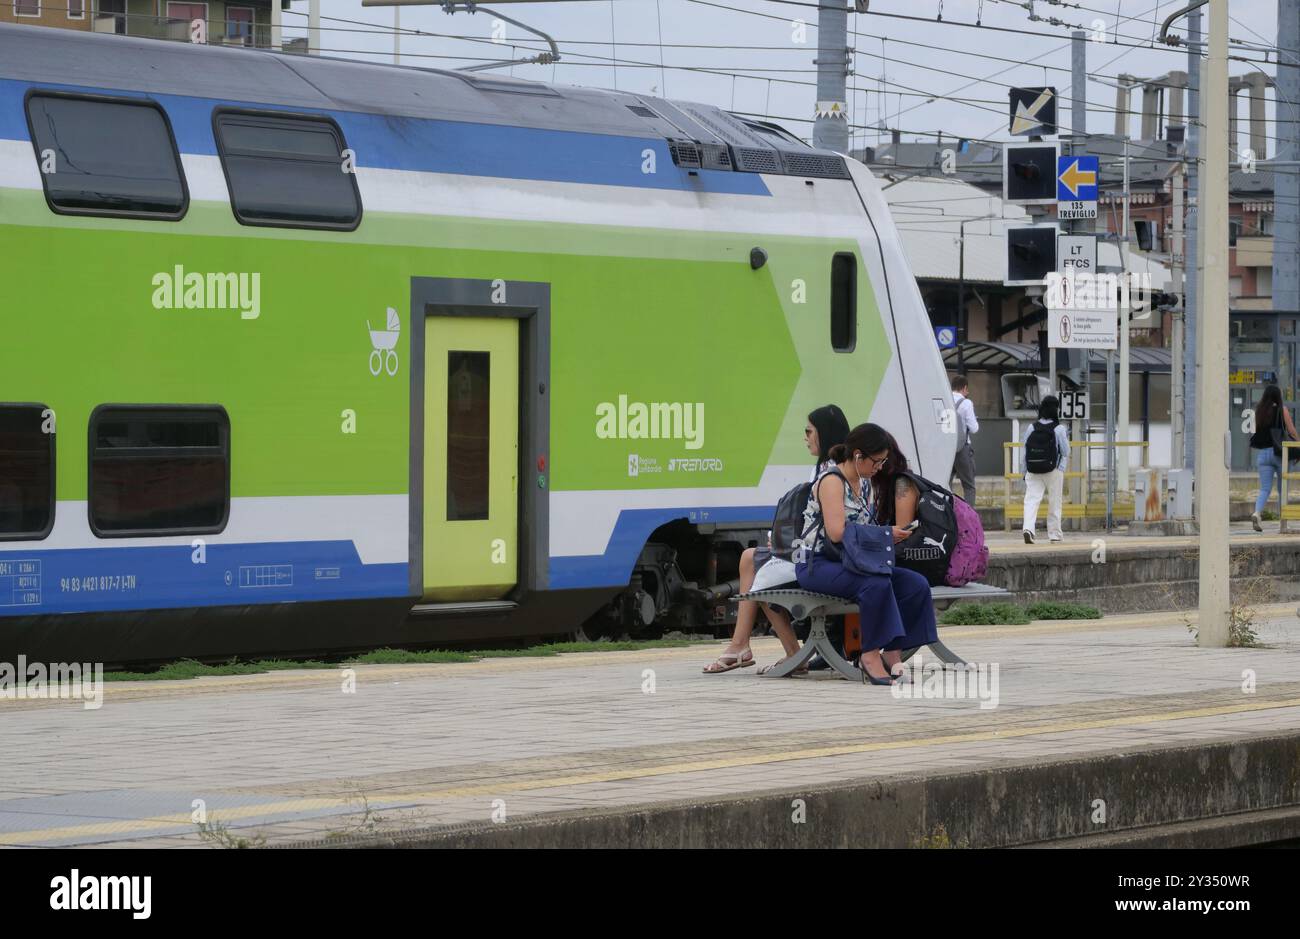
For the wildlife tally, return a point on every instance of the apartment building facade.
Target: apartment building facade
(226, 22)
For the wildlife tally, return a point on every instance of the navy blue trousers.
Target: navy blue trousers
(897, 612)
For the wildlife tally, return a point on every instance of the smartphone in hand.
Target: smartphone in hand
(902, 534)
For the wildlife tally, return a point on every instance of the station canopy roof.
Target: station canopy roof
(1023, 356)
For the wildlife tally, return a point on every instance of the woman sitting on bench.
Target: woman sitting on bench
(897, 610)
(827, 426)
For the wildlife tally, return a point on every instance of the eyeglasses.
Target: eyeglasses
(876, 464)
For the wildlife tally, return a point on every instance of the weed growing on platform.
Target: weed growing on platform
(1009, 614)
(939, 838)
(408, 657)
(1241, 629)
(1268, 515)
(1050, 610)
(1248, 594)
(218, 835)
(189, 668)
(984, 614)
(367, 824)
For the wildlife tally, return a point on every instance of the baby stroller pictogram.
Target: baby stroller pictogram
(383, 358)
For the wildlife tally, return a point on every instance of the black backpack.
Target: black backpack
(1041, 453)
(787, 524)
(929, 549)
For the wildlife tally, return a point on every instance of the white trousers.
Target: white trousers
(1035, 485)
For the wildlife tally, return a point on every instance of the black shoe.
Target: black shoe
(817, 663)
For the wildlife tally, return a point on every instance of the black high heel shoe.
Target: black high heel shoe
(868, 678)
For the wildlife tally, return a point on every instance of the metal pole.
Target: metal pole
(832, 133)
(397, 35)
(1286, 217)
(1079, 146)
(961, 294)
(1192, 255)
(1110, 438)
(276, 17)
(1212, 404)
(1176, 340)
(1121, 413)
(313, 27)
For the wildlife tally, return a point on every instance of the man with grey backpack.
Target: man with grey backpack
(1047, 453)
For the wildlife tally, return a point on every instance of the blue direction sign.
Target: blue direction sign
(1076, 187)
(1076, 178)
(946, 336)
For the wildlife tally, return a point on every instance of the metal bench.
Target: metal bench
(816, 607)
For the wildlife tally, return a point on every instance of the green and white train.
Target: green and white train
(309, 355)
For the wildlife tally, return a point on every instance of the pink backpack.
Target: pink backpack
(970, 558)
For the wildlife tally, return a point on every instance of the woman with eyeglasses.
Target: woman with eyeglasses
(826, 427)
(897, 611)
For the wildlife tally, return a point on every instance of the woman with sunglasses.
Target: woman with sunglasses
(897, 611)
(826, 427)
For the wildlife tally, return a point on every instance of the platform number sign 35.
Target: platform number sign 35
(1074, 405)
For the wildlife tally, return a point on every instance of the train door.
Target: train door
(471, 457)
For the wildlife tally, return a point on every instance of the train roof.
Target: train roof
(701, 135)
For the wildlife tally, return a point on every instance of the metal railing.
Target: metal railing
(1013, 507)
(1286, 511)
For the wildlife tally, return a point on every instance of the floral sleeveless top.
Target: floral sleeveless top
(857, 511)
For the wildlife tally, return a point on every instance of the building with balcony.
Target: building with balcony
(233, 23)
(61, 14)
(236, 23)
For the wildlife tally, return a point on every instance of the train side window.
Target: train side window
(106, 156)
(158, 470)
(287, 172)
(844, 302)
(26, 472)
(469, 383)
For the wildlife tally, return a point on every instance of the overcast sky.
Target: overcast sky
(894, 81)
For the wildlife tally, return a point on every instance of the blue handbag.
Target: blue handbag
(868, 549)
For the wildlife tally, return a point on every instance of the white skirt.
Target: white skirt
(777, 572)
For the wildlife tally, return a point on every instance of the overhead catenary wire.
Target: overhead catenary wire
(756, 74)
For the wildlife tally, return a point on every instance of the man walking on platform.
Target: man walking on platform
(963, 464)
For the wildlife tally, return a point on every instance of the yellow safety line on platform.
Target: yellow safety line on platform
(694, 766)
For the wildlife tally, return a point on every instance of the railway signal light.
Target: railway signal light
(1031, 254)
(1029, 173)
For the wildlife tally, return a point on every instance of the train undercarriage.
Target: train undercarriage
(682, 582)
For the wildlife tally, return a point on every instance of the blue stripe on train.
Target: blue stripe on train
(633, 528)
(437, 146)
(83, 580)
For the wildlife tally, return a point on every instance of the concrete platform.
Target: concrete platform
(642, 748)
(1123, 573)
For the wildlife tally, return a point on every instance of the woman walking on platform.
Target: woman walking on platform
(1273, 425)
(1047, 454)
